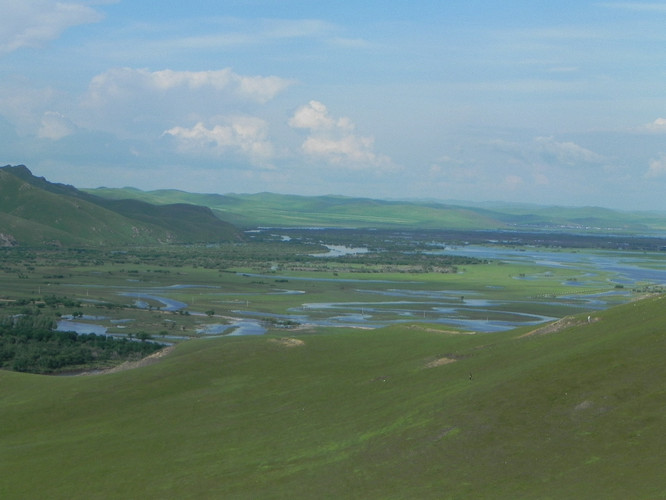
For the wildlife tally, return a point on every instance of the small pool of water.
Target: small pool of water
(65, 325)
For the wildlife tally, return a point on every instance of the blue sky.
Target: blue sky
(558, 103)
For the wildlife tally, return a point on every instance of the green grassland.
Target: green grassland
(35, 213)
(271, 209)
(402, 412)
(418, 409)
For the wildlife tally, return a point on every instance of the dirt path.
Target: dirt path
(559, 325)
(129, 365)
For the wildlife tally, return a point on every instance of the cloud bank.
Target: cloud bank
(121, 83)
(32, 23)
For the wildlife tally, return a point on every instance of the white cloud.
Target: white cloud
(55, 126)
(348, 148)
(139, 103)
(566, 153)
(123, 82)
(32, 23)
(241, 134)
(25, 106)
(657, 126)
(334, 140)
(313, 116)
(657, 167)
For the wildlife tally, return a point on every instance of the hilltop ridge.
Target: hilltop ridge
(35, 212)
(282, 210)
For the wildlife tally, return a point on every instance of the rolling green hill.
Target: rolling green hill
(269, 209)
(570, 411)
(35, 212)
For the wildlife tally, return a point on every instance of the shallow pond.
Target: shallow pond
(66, 325)
(169, 304)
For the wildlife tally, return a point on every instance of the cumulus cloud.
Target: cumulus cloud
(137, 101)
(32, 23)
(657, 167)
(315, 116)
(242, 134)
(334, 139)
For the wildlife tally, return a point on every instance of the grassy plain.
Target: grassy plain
(413, 410)
(402, 412)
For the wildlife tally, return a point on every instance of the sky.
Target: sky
(528, 101)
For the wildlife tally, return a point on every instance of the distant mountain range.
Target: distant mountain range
(276, 210)
(36, 212)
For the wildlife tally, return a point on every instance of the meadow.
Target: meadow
(438, 376)
(411, 411)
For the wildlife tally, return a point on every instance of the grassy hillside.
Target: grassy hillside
(405, 412)
(34, 216)
(35, 212)
(269, 209)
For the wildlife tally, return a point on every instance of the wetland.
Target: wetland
(309, 280)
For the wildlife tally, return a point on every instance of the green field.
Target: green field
(402, 412)
(419, 409)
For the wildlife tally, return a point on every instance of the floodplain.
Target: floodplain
(309, 280)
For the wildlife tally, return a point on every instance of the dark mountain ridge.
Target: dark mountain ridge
(34, 211)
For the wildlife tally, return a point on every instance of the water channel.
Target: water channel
(402, 302)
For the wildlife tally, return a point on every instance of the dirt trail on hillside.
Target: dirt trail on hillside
(287, 342)
(435, 330)
(439, 362)
(558, 326)
(129, 365)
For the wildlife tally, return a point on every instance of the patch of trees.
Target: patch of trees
(31, 344)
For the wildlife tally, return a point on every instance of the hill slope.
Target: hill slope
(35, 212)
(406, 412)
(269, 209)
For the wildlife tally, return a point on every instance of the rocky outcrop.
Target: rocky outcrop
(7, 240)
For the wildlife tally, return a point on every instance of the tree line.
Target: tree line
(31, 344)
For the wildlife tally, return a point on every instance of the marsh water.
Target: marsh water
(395, 302)
(629, 267)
